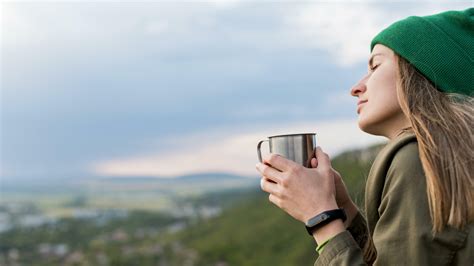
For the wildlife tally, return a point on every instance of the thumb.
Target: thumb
(314, 163)
(322, 158)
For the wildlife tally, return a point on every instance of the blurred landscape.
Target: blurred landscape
(205, 219)
(102, 102)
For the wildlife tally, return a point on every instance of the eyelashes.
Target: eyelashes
(374, 67)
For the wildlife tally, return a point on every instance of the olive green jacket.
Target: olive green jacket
(398, 220)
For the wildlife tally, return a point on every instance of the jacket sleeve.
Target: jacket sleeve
(359, 231)
(342, 250)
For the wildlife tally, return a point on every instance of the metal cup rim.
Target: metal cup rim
(294, 134)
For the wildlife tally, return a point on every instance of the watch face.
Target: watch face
(317, 219)
(325, 216)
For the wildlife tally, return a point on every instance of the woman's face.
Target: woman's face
(378, 107)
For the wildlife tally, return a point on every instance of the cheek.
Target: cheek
(382, 92)
(379, 109)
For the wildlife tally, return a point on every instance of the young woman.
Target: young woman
(420, 191)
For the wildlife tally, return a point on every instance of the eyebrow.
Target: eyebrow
(372, 58)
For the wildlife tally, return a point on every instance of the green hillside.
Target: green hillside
(255, 232)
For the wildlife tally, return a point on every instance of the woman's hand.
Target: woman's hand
(301, 192)
(343, 199)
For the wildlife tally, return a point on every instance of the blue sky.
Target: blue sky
(162, 89)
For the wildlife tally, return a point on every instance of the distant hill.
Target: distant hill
(196, 184)
(198, 176)
(210, 176)
(255, 232)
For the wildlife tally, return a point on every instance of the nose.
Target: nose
(359, 87)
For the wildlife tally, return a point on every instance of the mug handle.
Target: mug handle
(259, 152)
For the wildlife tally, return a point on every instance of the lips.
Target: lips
(361, 102)
(359, 105)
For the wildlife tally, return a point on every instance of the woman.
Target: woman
(420, 191)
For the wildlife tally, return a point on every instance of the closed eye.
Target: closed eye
(374, 67)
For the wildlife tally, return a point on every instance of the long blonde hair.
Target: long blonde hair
(443, 124)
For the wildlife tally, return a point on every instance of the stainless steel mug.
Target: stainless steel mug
(296, 147)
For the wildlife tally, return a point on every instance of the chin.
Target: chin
(368, 127)
(363, 127)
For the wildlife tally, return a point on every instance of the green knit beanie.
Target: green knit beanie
(440, 46)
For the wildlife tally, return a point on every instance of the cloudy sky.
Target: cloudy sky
(110, 88)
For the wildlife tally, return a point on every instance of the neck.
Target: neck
(395, 126)
(397, 131)
(403, 130)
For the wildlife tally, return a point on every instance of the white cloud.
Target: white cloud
(235, 153)
(225, 4)
(342, 29)
(157, 27)
(345, 29)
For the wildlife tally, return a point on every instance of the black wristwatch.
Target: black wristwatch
(324, 218)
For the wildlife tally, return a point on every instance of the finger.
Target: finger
(275, 200)
(322, 158)
(269, 172)
(269, 186)
(278, 162)
(314, 162)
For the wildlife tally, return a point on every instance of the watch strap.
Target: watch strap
(324, 218)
